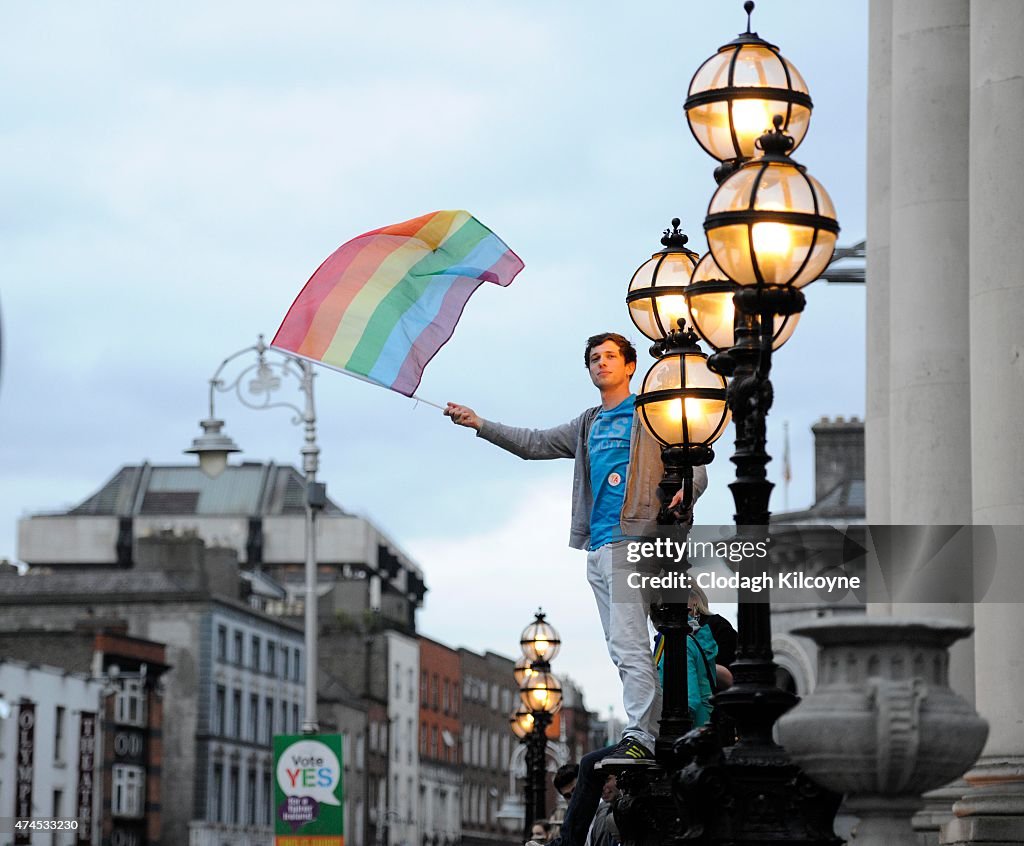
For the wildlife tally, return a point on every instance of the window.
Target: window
(446, 696)
(434, 695)
(295, 719)
(265, 816)
(284, 718)
(250, 797)
(398, 682)
(233, 814)
(297, 666)
(236, 713)
(217, 797)
(423, 738)
(423, 687)
(219, 705)
(455, 700)
(286, 655)
(360, 752)
(268, 720)
(254, 719)
(494, 697)
(271, 658)
(236, 654)
(410, 743)
(129, 784)
(222, 643)
(58, 734)
(433, 741)
(130, 703)
(412, 688)
(254, 655)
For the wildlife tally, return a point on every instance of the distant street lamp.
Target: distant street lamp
(541, 698)
(213, 447)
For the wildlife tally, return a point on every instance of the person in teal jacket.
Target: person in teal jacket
(701, 671)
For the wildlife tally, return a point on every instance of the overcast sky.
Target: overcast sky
(173, 175)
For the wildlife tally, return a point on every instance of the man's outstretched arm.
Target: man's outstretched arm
(557, 442)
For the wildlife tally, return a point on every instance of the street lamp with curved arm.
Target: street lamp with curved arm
(261, 380)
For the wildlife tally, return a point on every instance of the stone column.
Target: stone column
(993, 810)
(929, 406)
(879, 126)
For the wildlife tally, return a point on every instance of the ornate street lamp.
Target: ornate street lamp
(771, 230)
(734, 95)
(254, 387)
(682, 405)
(541, 695)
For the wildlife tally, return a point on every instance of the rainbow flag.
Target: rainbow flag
(383, 304)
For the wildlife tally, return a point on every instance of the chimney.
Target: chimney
(838, 453)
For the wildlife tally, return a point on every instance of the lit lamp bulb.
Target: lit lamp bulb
(750, 118)
(772, 241)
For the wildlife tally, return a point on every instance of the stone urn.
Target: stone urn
(882, 725)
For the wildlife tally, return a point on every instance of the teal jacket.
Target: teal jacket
(701, 676)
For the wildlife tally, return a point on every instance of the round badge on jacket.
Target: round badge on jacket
(614, 479)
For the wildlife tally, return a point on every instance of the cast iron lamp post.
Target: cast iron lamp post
(541, 698)
(213, 447)
(771, 230)
(682, 404)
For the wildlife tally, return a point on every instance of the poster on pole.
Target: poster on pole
(308, 797)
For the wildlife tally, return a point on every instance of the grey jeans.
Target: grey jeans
(624, 619)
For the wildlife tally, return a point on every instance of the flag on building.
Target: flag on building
(383, 304)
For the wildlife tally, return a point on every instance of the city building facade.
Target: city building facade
(49, 742)
(440, 744)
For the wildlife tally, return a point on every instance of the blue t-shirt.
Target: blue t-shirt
(608, 447)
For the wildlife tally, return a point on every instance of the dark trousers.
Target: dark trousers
(584, 801)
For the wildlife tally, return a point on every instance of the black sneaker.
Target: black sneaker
(630, 747)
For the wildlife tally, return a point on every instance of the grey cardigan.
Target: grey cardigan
(640, 508)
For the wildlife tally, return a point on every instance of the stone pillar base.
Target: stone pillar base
(884, 820)
(937, 811)
(991, 812)
(983, 831)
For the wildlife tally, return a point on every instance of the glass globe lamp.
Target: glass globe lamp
(540, 641)
(656, 296)
(771, 224)
(735, 94)
(683, 404)
(541, 692)
(712, 313)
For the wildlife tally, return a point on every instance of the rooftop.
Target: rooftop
(250, 488)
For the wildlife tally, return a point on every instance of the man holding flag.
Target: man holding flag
(617, 470)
